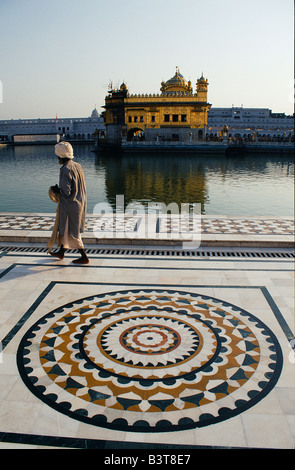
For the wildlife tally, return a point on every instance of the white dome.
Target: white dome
(94, 114)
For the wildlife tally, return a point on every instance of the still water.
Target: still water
(246, 185)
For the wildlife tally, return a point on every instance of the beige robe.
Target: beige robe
(72, 206)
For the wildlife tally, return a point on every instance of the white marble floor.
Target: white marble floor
(194, 231)
(33, 285)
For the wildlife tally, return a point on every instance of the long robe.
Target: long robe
(72, 199)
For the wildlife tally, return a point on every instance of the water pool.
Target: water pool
(246, 185)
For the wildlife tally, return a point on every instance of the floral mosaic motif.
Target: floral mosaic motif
(150, 360)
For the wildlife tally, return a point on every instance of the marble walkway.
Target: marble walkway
(148, 351)
(158, 229)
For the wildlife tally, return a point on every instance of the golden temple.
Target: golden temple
(176, 114)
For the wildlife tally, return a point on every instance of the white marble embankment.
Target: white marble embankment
(154, 229)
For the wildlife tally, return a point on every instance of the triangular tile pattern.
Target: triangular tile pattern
(150, 360)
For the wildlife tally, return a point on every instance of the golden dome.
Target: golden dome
(202, 79)
(176, 84)
(178, 79)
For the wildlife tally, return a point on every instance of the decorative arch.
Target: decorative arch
(135, 132)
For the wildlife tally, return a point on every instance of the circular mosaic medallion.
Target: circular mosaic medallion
(150, 360)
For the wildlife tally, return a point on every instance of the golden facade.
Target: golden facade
(177, 113)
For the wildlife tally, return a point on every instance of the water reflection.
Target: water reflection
(146, 180)
(240, 185)
(236, 185)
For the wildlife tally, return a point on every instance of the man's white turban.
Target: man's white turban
(64, 150)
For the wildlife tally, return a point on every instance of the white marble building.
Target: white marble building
(244, 121)
(241, 122)
(69, 128)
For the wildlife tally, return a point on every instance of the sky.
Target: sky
(58, 57)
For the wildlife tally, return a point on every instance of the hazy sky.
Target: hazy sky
(58, 56)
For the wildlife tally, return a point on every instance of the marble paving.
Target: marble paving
(155, 229)
(146, 352)
(209, 224)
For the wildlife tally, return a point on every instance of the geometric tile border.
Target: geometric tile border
(238, 225)
(221, 225)
(149, 360)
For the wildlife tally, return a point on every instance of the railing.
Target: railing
(218, 143)
(149, 143)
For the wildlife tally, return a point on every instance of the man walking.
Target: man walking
(72, 199)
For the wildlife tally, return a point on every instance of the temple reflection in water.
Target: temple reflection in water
(220, 185)
(145, 180)
(244, 185)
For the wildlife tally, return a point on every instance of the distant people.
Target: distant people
(72, 202)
